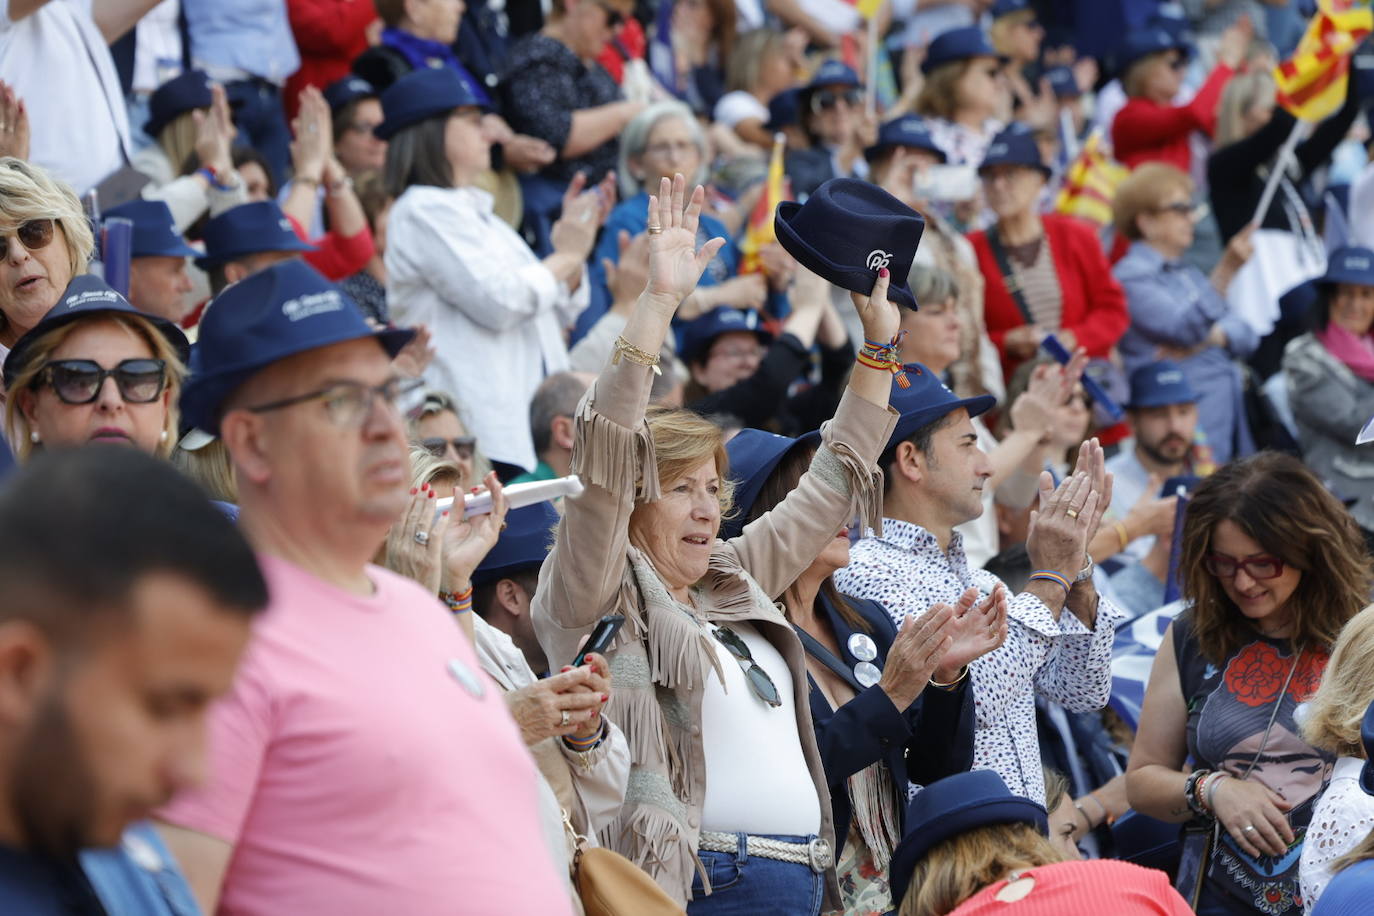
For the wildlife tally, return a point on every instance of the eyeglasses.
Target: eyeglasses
(78, 381)
(463, 446)
(737, 354)
(758, 678)
(349, 403)
(825, 99)
(33, 235)
(1181, 207)
(681, 148)
(613, 16)
(1224, 567)
(363, 127)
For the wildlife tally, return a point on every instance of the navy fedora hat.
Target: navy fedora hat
(849, 229)
(957, 44)
(155, 232)
(1351, 264)
(248, 229)
(1160, 384)
(279, 311)
(909, 130)
(955, 805)
(180, 94)
(926, 400)
(349, 89)
(523, 544)
(1014, 146)
(422, 94)
(698, 334)
(1140, 44)
(754, 454)
(85, 296)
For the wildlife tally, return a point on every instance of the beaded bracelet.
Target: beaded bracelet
(459, 603)
(583, 745)
(1049, 575)
(883, 357)
(1190, 792)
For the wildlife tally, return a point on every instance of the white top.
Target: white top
(836, 15)
(980, 534)
(157, 46)
(738, 106)
(1362, 208)
(496, 313)
(757, 781)
(1343, 817)
(58, 63)
(750, 13)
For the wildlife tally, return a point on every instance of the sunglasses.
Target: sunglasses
(349, 403)
(1224, 567)
(826, 99)
(463, 446)
(78, 381)
(33, 235)
(758, 678)
(614, 17)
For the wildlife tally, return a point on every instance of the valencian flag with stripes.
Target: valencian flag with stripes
(1090, 182)
(760, 232)
(1312, 83)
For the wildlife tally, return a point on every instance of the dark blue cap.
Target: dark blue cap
(85, 296)
(248, 229)
(927, 400)
(1014, 146)
(155, 232)
(753, 456)
(848, 230)
(523, 544)
(279, 311)
(1007, 7)
(351, 88)
(1142, 43)
(1349, 265)
(954, 805)
(908, 130)
(180, 94)
(1367, 739)
(1063, 82)
(832, 73)
(957, 44)
(784, 109)
(700, 332)
(422, 94)
(1160, 384)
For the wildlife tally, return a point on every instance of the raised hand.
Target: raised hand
(915, 654)
(414, 544)
(978, 628)
(14, 124)
(1092, 460)
(880, 317)
(1058, 534)
(675, 263)
(468, 541)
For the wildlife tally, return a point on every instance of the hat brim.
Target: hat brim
(16, 358)
(747, 493)
(700, 348)
(1013, 809)
(204, 393)
(390, 127)
(850, 278)
(1040, 167)
(1354, 278)
(877, 149)
(180, 250)
(207, 261)
(908, 423)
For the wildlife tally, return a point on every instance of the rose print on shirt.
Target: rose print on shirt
(1256, 674)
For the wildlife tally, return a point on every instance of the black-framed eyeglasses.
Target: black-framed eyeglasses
(78, 381)
(826, 99)
(1224, 567)
(349, 403)
(758, 678)
(463, 446)
(33, 235)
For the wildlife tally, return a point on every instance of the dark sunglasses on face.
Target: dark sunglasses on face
(33, 235)
(825, 99)
(1224, 567)
(78, 381)
(463, 446)
(758, 678)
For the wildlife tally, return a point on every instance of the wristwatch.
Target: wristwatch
(1087, 570)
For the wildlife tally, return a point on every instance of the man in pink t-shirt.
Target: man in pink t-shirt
(362, 763)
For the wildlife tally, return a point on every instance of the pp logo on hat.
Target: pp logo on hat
(1169, 377)
(313, 304)
(997, 149)
(878, 259)
(1357, 263)
(86, 298)
(285, 225)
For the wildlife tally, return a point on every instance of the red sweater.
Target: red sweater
(1146, 131)
(1094, 305)
(329, 34)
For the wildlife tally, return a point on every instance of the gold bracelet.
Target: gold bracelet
(635, 355)
(1121, 534)
(963, 673)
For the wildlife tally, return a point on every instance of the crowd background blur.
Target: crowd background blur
(1101, 509)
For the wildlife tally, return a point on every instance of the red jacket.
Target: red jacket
(1094, 305)
(1146, 131)
(329, 34)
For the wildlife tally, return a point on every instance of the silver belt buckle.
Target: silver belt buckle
(820, 854)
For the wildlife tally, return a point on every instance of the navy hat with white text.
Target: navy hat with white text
(832, 73)
(957, 44)
(349, 89)
(699, 333)
(926, 400)
(155, 231)
(180, 94)
(1014, 146)
(909, 130)
(1160, 384)
(1351, 265)
(247, 229)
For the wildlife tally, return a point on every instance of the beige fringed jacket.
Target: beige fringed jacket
(662, 657)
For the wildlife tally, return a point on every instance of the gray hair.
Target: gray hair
(557, 396)
(933, 284)
(634, 139)
(1243, 91)
(415, 155)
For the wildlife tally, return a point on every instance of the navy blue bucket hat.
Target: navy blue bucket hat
(85, 296)
(957, 44)
(847, 231)
(1159, 385)
(753, 456)
(349, 89)
(699, 333)
(248, 229)
(909, 131)
(1014, 146)
(155, 231)
(926, 400)
(1141, 44)
(422, 94)
(1352, 265)
(833, 73)
(180, 94)
(280, 311)
(523, 544)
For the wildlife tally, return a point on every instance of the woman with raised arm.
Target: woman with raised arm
(727, 804)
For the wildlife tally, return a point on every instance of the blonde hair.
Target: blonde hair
(957, 868)
(1056, 787)
(939, 97)
(1242, 92)
(425, 468)
(29, 192)
(682, 441)
(742, 70)
(178, 140)
(36, 359)
(1337, 709)
(211, 467)
(1142, 191)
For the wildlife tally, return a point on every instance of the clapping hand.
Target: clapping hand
(1068, 516)
(915, 654)
(675, 262)
(413, 545)
(978, 628)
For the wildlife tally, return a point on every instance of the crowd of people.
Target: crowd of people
(894, 367)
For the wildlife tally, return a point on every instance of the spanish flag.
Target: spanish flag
(759, 232)
(1312, 83)
(1090, 183)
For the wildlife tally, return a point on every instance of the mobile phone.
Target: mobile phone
(603, 634)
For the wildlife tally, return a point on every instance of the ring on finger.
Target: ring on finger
(1071, 513)
(422, 537)
(1247, 828)
(655, 230)
(567, 719)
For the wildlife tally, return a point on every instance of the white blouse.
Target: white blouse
(1343, 817)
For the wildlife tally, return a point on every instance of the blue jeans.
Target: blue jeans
(742, 885)
(261, 122)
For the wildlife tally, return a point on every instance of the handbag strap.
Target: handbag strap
(999, 254)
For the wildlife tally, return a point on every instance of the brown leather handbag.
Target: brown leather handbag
(611, 885)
